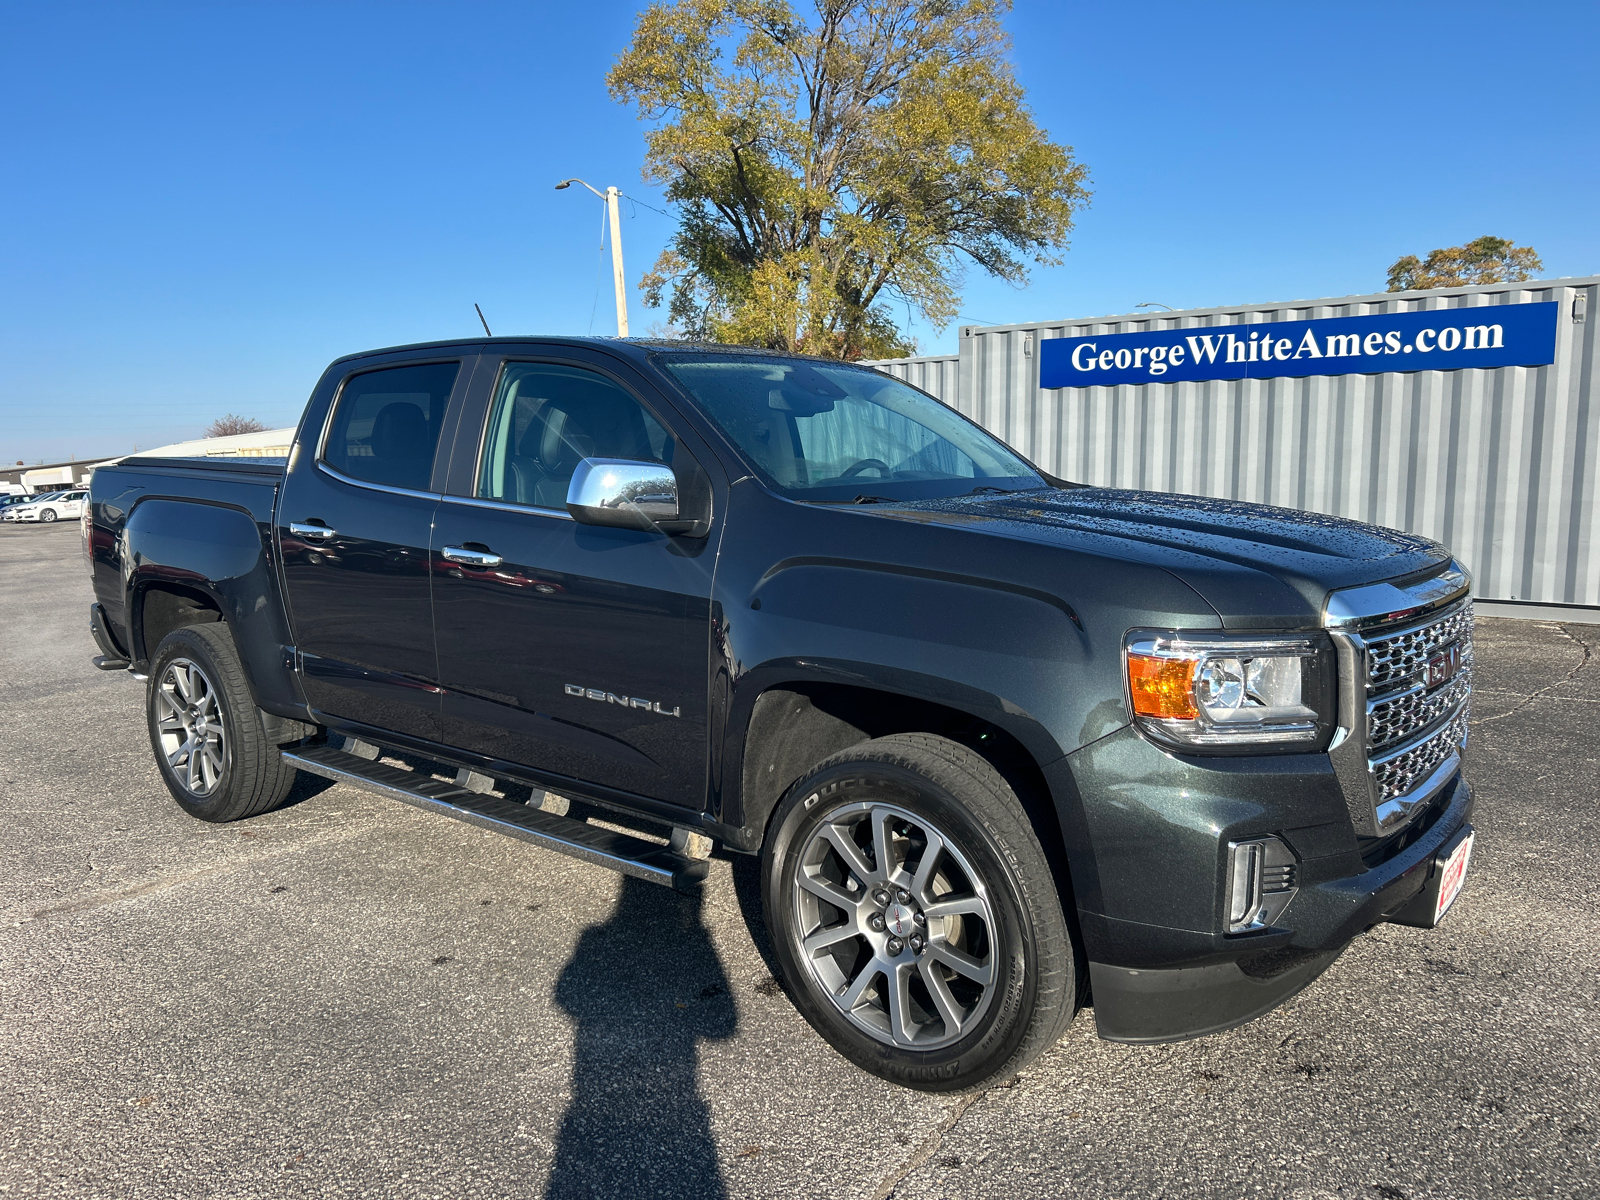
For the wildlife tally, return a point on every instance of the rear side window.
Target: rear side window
(547, 419)
(386, 428)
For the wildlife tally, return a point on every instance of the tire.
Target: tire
(993, 913)
(197, 686)
(47, 515)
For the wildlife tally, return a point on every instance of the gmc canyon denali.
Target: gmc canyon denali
(1006, 745)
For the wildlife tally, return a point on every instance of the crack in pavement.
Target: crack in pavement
(928, 1148)
(1567, 678)
(1477, 691)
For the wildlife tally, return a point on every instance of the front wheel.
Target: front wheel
(210, 744)
(915, 915)
(47, 515)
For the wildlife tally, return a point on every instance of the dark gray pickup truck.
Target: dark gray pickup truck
(1006, 745)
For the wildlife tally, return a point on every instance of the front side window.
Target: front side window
(386, 427)
(825, 432)
(546, 419)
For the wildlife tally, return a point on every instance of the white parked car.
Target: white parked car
(17, 502)
(57, 506)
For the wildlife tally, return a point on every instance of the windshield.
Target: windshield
(830, 432)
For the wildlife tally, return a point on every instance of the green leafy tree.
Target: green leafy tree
(1482, 260)
(830, 167)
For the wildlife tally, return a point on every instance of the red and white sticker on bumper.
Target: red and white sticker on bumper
(1452, 876)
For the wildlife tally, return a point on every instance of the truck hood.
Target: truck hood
(1254, 563)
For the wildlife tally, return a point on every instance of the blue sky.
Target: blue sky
(202, 204)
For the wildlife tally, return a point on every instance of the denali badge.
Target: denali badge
(1442, 666)
(573, 689)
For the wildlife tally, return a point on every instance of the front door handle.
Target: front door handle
(300, 529)
(473, 558)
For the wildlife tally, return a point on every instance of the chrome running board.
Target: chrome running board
(577, 839)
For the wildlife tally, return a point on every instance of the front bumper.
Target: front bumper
(1170, 1004)
(1148, 849)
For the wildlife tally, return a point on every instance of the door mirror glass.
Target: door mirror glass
(622, 492)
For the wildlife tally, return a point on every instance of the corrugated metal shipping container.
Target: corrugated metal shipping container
(935, 374)
(1502, 465)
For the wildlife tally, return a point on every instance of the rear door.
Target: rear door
(575, 651)
(354, 527)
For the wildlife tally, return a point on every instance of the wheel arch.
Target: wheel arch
(793, 724)
(159, 607)
(196, 563)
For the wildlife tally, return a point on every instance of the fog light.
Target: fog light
(1261, 882)
(1246, 886)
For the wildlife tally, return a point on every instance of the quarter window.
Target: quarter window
(546, 419)
(386, 428)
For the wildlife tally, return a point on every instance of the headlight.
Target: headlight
(1213, 691)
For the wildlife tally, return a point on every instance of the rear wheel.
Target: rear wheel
(210, 745)
(47, 515)
(916, 917)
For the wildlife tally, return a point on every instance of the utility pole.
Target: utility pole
(618, 279)
(616, 262)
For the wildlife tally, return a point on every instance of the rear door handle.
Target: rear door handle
(473, 558)
(300, 529)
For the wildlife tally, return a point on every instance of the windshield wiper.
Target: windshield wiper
(858, 500)
(985, 489)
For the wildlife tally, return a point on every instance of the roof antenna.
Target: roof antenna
(485, 323)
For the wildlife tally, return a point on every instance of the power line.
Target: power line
(634, 199)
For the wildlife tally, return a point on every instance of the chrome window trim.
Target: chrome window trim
(488, 415)
(376, 487)
(504, 506)
(338, 398)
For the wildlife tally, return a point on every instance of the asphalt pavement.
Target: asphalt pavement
(349, 997)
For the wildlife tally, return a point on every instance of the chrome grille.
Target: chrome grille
(1400, 774)
(1400, 708)
(1390, 722)
(1401, 733)
(1397, 658)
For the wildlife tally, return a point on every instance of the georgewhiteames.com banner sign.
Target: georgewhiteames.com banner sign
(1499, 335)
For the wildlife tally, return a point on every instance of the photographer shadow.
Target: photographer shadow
(644, 989)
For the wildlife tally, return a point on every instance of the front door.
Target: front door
(355, 522)
(574, 650)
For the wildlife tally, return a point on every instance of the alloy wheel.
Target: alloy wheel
(189, 723)
(895, 926)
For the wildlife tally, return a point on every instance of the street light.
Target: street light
(1156, 304)
(610, 197)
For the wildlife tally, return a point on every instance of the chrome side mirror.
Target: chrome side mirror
(623, 493)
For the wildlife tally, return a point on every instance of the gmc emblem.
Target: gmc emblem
(1442, 666)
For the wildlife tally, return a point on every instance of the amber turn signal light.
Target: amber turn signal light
(1162, 687)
